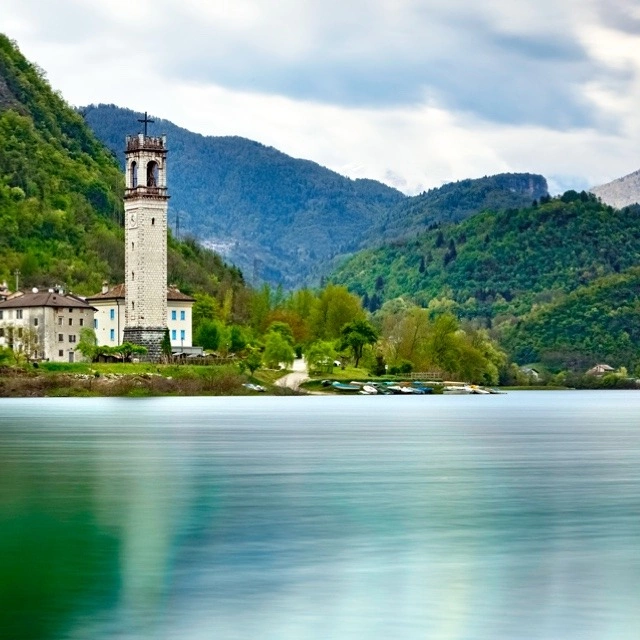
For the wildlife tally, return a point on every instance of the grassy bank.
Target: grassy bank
(133, 380)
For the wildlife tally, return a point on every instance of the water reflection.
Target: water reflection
(276, 518)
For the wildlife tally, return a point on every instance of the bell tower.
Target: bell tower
(145, 209)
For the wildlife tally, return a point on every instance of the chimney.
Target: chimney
(105, 286)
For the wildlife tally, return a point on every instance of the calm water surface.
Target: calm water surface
(478, 517)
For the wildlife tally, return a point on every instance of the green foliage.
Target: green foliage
(320, 357)
(596, 323)
(88, 343)
(334, 308)
(511, 264)
(283, 329)
(277, 350)
(253, 360)
(208, 335)
(356, 335)
(165, 346)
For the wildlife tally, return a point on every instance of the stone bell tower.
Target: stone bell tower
(145, 209)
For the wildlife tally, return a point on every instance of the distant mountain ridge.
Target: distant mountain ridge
(289, 221)
(621, 192)
(278, 218)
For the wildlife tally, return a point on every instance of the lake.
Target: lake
(512, 516)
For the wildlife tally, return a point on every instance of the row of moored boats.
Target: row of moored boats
(406, 388)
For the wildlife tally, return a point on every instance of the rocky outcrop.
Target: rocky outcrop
(621, 192)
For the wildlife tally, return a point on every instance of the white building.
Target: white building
(109, 323)
(46, 324)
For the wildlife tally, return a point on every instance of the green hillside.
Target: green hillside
(599, 322)
(61, 196)
(459, 200)
(495, 268)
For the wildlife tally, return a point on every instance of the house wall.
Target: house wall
(178, 326)
(57, 330)
(104, 325)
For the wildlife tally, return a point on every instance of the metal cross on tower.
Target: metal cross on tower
(146, 120)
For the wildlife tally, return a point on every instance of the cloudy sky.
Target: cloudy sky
(411, 92)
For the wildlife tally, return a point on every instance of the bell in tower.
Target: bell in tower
(145, 208)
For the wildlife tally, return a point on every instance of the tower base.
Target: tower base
(149, 337)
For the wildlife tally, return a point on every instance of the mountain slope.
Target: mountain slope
(283, 217)
(599, 322)
(61, 195)
(289, 221)
(502, 263)
(621, 192)
(459, 200)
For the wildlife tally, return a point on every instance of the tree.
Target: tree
(208, 335)
(165, 346)
(88, 344)
(320, 356)
(205, 308)
(283, 329)
(253, 360)
(128, 350)
(356, 335)
(334, 308)
(237, 338)
(277, 350)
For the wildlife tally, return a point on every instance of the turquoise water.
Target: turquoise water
(446, 517)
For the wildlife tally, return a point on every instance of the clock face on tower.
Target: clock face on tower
(133, 220)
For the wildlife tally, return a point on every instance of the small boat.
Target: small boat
(369, 390)
(342, 386)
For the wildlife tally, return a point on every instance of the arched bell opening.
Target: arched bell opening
(153, 173)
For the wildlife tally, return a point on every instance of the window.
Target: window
(153, 221)
(1, 314)
(60, 354)
(59, 319)
(60, 337)
(95, 323)
(1, 333)
(173, 334)
(35, 322)
(134, 175)
(181, 334)
(82, 322)
(133, 246)
(70, 310)
(182, 315)
(35, 339)
(133, 306)
(70, 322)
(19, 332)
(18, 314)
(133, 275)
(173, 314)
(72, 338)
(112, 335)
(112, 314)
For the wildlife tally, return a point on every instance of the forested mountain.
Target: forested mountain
(458, 200)
(495, 268)
(599, 322)
(278, 217)
(288, 221)
(61, 196)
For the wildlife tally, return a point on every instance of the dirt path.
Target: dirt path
(294, 379)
